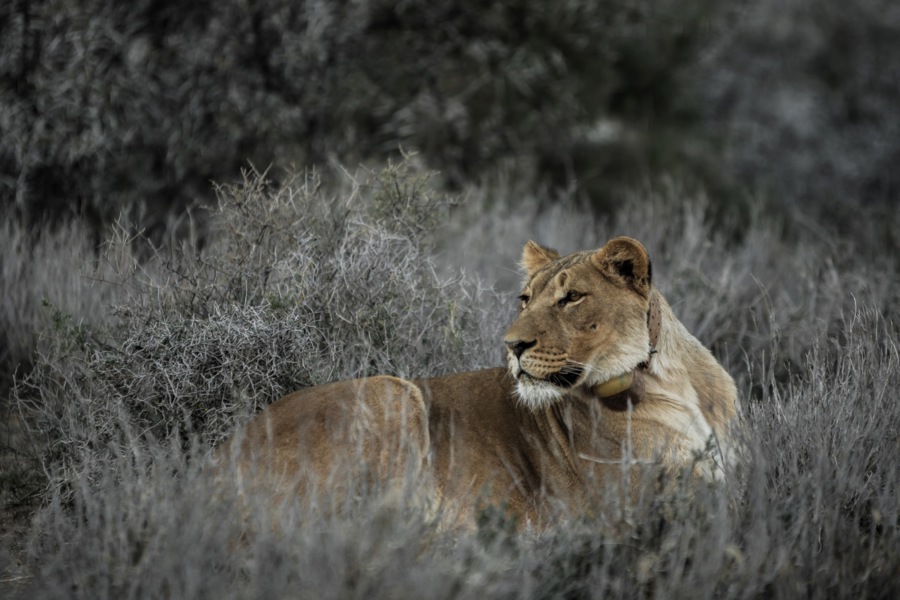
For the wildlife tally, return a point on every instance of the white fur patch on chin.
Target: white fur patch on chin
(536, 395)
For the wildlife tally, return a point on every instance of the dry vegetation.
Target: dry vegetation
(751, 146)
(310, 281)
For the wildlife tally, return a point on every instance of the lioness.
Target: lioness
(602, 380)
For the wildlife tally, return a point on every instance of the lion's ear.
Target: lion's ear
(625, 259)
(535, 256)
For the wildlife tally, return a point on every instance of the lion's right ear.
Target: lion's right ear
(535, 256)
(626, 260)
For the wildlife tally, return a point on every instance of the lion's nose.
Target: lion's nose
(517, 347)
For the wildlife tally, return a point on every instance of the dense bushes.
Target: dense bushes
(282, 295)
(295, 287)
(111, 107)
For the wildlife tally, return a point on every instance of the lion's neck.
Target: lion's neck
(678, 353)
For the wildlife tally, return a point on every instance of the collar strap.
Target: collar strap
(653, 322)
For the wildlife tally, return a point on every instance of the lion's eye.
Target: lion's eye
(572, 296)
(523, 300)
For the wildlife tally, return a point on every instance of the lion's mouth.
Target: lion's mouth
(565, 378)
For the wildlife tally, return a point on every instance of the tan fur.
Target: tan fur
(509, 436)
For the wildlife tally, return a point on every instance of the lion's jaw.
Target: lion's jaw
(538, 387)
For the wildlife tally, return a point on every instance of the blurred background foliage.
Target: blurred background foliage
(110, 108)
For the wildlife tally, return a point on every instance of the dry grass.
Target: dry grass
(312, 281)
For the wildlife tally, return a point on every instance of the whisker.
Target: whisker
(586, 367)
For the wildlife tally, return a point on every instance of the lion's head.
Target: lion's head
(583, 320)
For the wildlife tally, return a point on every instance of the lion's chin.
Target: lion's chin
(536, 394)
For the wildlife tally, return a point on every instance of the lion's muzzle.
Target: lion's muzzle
(548, 365)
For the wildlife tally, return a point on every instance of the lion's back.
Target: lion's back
(373, 429)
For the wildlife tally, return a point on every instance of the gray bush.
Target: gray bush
(42, 278)
(297, 287)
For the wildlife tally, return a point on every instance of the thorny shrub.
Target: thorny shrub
(298, 286)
